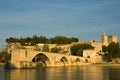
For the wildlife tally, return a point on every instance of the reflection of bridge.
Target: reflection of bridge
(21, 58)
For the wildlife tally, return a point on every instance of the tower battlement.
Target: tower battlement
(106, 40)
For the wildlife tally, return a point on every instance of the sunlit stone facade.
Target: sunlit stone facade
(106, 40)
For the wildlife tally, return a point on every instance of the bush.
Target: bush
(112, 49)
(56, 50)
(77, 49)
(4, 57)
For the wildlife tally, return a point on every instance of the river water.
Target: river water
(62, 73)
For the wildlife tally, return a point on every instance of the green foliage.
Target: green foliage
(73, 39)
(59, 40)
(77, 49)
(56, 50)
(45, 48)
(11, 39)
(63, 40)
(104, 48)
(79, 52)
(113, 50)
(31, 41)
(4, 57)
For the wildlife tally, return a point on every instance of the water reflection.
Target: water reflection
(64, 73)
(114, 73)
(95, 73)
(18, 74)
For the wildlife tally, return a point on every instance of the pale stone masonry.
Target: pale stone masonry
(22, 56)
(112, 38)
(106, 40)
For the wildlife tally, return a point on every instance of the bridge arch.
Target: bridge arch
(41, 58)
(77, 60)
(64, 59)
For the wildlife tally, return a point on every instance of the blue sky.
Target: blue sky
(84, 19)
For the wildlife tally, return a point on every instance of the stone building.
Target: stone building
(112, 38)
(94, 55)
(106, 40)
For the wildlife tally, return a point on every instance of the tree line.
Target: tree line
(112, 50)
(31, 41)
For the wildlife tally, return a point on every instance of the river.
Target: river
(63, 73)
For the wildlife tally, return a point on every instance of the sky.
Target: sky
(84, 19)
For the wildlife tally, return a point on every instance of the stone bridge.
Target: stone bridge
(21, 58)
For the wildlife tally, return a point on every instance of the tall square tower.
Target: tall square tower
(112, 38)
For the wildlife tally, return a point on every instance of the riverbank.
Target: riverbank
(1, 64)
(101, 64)
(91, 64)
(81, 64)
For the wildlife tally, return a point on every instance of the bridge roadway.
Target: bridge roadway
(21, 58)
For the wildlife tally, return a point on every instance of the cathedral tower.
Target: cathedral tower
(104, 39)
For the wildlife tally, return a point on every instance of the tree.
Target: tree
(31, 41)
(105, 48)
(63, 40)
(4, 57)
(45, 48)
(73, 39)
(59, 40)
(12, 40)
(114, 50)
(77, 49)
(56, 49)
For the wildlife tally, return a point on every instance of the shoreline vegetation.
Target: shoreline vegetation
(101, 64)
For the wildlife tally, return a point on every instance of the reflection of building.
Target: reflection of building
(95, 73)
(21, 74)
(114, 74)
